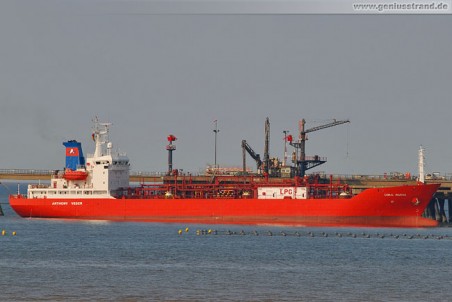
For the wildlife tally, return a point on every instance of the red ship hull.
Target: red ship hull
(380, 207)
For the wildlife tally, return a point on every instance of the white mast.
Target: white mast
(421, 165)
(101, 138)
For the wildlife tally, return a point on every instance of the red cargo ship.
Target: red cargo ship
(98, 189)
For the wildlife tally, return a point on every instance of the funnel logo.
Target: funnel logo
(71, 151)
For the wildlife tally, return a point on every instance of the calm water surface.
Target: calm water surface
(73, 260)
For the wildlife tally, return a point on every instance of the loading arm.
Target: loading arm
(254, 155)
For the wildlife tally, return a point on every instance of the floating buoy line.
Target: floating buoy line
(4, 233)
(269, 233)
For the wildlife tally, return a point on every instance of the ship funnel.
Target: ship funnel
(74, 155)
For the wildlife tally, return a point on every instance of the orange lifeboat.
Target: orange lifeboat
(75, 175)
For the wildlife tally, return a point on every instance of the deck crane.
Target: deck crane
(247, 148)
(302, 162)
(267, 146)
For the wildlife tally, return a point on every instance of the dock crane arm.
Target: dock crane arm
(334, 123)
(302, 163)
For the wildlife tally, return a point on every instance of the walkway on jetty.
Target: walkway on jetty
(30, 174)
(357, 182)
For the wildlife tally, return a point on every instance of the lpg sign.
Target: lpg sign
(286, 191)
(282, 193)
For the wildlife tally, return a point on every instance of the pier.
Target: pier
(357, 182)
(45, 175)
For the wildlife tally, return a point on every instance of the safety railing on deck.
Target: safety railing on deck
(26, 172)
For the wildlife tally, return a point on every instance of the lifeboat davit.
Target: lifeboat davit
(75, 175)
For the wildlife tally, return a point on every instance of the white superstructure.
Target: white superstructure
(105, 171)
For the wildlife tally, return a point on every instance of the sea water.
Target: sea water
(61, 260)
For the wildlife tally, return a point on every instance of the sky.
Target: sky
(64, 62)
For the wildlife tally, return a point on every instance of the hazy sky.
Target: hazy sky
(64, 62)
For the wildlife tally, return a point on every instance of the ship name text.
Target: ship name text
(65, 203)
(396, 195)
